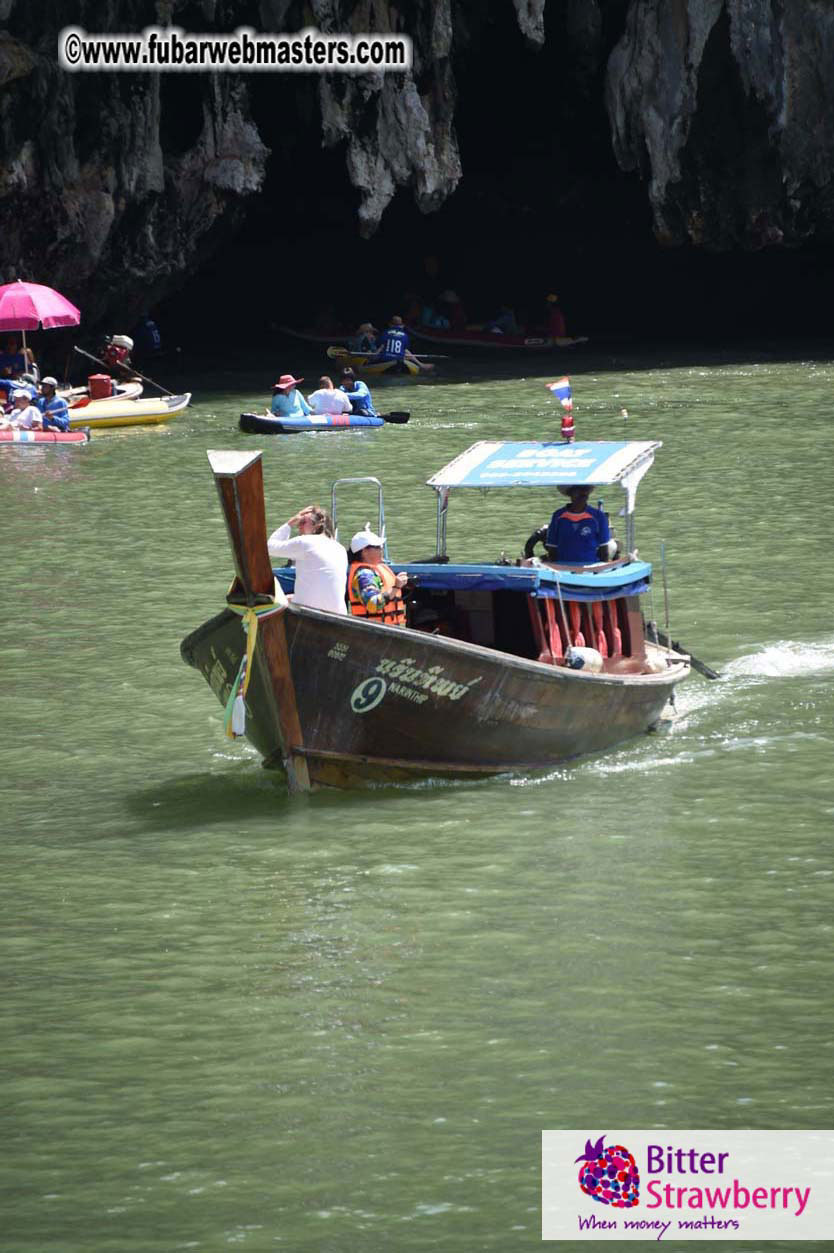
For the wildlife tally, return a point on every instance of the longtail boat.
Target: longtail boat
(495, 339)
(503, 667)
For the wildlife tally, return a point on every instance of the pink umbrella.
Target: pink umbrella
(26, 306)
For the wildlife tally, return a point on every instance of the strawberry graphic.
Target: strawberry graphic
(609, 1175)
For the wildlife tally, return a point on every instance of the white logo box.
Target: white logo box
(694, 1185)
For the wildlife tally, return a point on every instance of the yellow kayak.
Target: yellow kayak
(120, 412)
(368, 365)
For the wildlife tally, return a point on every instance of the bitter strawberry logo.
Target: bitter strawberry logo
(609, 1175)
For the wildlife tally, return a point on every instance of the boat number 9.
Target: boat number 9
(368, 695)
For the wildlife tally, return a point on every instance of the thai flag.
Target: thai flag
(561, 389)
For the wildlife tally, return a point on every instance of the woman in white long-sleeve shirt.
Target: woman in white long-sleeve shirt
(320, 560)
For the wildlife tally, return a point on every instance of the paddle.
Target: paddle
(127, 368)
(338, 354)
(400, 418)
(657, 636)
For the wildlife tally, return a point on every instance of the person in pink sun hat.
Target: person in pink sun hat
(287, 401)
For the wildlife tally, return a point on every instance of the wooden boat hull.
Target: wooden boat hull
(120, 412)
(311, 336)
(486, 339)
(79, 436)
(385, 704)
(259, 424)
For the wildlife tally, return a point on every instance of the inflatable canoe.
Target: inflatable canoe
(493, 339)
(79, 436)
(120, 412)
(263, 424)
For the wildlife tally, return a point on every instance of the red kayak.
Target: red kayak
(494, 339)
(12, 436)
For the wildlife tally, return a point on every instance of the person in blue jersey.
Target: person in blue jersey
(577, 532)
(54, 409)
(287, 401)
(394, 345)
(358, 393)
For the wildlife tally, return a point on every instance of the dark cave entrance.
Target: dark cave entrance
(542, 206)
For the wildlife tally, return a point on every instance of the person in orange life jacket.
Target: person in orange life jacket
(374, 590)
(578, 534)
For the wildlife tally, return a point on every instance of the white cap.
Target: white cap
(365, 539)
(123, 341)
(49, 381)
(21, 394)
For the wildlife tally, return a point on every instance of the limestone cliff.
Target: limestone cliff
(115, 187)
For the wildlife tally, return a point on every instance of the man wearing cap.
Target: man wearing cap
(374, 590)
(53, 407)
(287, 401)
(320, 560)
(24, 416)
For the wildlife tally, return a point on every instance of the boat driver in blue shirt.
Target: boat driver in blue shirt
(54, 408)
(578, 534)
(359, 393)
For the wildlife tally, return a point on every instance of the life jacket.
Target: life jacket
(393, 611)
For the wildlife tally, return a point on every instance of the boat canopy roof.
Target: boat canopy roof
(500, 463)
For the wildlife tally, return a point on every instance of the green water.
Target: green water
(341, 1022)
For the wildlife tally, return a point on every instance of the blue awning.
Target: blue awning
(628, 579)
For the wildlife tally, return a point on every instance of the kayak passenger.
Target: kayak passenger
(395, 345)
(358, 393)
(328, 399)
(287, 401)
(453, 309)
(14, 359)
(504, 322)
(555, 319)
(53, 407)
(24, 416)
(365, 339)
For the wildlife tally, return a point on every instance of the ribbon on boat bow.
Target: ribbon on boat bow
(234, 718)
